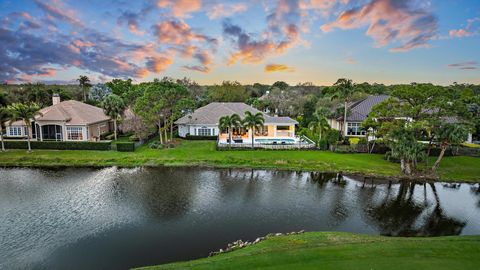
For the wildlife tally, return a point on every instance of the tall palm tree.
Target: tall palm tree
(4, 117)
(344, 90)
(448, 134)
(114, 106)
(320, 122)
(253, 122)
(24, 112)
(84, 82)
(229, 123)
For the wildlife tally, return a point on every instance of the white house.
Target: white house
(205, 120)
(63, 121)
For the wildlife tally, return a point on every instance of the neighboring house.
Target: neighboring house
(204, 122)
(357, 113)
(63, 121)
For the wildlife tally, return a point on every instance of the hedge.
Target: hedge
(125, 147)
(51, 145)
(210, 138)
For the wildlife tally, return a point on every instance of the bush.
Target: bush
(332, 136)
(101, 146)
(323, 144)
(155, 145)
(110, 137)
(126, 147)
(363, 140)
(104, 135)
(134, 138)
(353, 140)
(210, 138)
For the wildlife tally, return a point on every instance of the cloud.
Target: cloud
(180, 8)
(350, 60)
(470, 65)
(157, 64)
(221, 10)
(131, 20)
(471, 29)
(277, 68)
(177, 32)
(56, 9)
(390, 21)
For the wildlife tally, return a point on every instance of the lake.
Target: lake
(116, 218)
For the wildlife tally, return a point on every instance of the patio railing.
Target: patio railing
(303, 143)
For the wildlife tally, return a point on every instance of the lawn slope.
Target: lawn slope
(346, 251)
(203, 153)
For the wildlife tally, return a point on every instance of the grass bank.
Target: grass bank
(194, 153)
(346, 251)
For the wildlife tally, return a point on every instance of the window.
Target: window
(355, 129)
(75, 133)
(283, 128)
(14, 131)
(204, 131)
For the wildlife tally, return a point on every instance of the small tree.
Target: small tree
(4, 117)
(405, 147)
(448, 134)
(229, 123)
(319, 122)
(24, 112)
(99, 92)
(252, 122)
(114, 107)
(343, 89)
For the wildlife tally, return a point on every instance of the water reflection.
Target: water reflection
(120, 218)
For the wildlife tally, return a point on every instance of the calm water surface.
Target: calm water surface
(121, 218)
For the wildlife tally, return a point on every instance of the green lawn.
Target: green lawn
(346, 251)
(203, 153)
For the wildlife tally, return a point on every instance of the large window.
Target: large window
(14, 131)
(204, 131)
(355, 129)
(75, 133)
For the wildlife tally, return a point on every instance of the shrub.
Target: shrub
(104, 135)
(323, 144)
(363, 140)
(125, 147)
(134, 138)
(155, 145)
(332, 136)
(110, 137)
(353, 140)
(101, 146)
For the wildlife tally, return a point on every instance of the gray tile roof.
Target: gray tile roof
(211, 113)
(359, 110)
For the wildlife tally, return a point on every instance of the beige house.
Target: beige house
(205, 120)
(69, 120)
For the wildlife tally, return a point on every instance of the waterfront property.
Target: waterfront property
(69, 120)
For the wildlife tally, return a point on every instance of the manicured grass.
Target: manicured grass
(346, 251)
(193, 153)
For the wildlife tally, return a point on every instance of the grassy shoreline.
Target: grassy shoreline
(332, 250)
(203, 153)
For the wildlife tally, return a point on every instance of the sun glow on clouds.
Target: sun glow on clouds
(148, 38)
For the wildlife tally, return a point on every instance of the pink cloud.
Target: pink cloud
(180, 8)
(56, 9)
(222, 10)
(389, 21)
(459, 33)
(176, 32)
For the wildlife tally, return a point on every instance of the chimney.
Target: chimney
(55, 99)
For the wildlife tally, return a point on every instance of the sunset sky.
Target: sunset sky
(383, 41)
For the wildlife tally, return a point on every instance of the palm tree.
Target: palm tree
(84, 82)
(344, 90)
(114, 106)
(228, 123)
(449, 134)
(4, 117)
(320, 122)
(252, 122)
(24, 112)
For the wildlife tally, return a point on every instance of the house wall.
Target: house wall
(95, 130)
(183, 130)
(22, 134)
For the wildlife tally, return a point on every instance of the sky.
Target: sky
(209, 41)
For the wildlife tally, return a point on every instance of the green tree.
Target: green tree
(114, 107)
(84, 83)
(4, 117)
(253, 122)
(99, 92)
(228, 92)
(3, 99)
(120, 87)
(448, 134)
(24, 112)
(228, 123)
(343, 89)
(405, 147)
(280, 84)
(320, 122)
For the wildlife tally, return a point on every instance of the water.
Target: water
(120, 218)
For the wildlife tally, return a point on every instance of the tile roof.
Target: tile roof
(359, 110)
(211, 113)
(73, 113)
